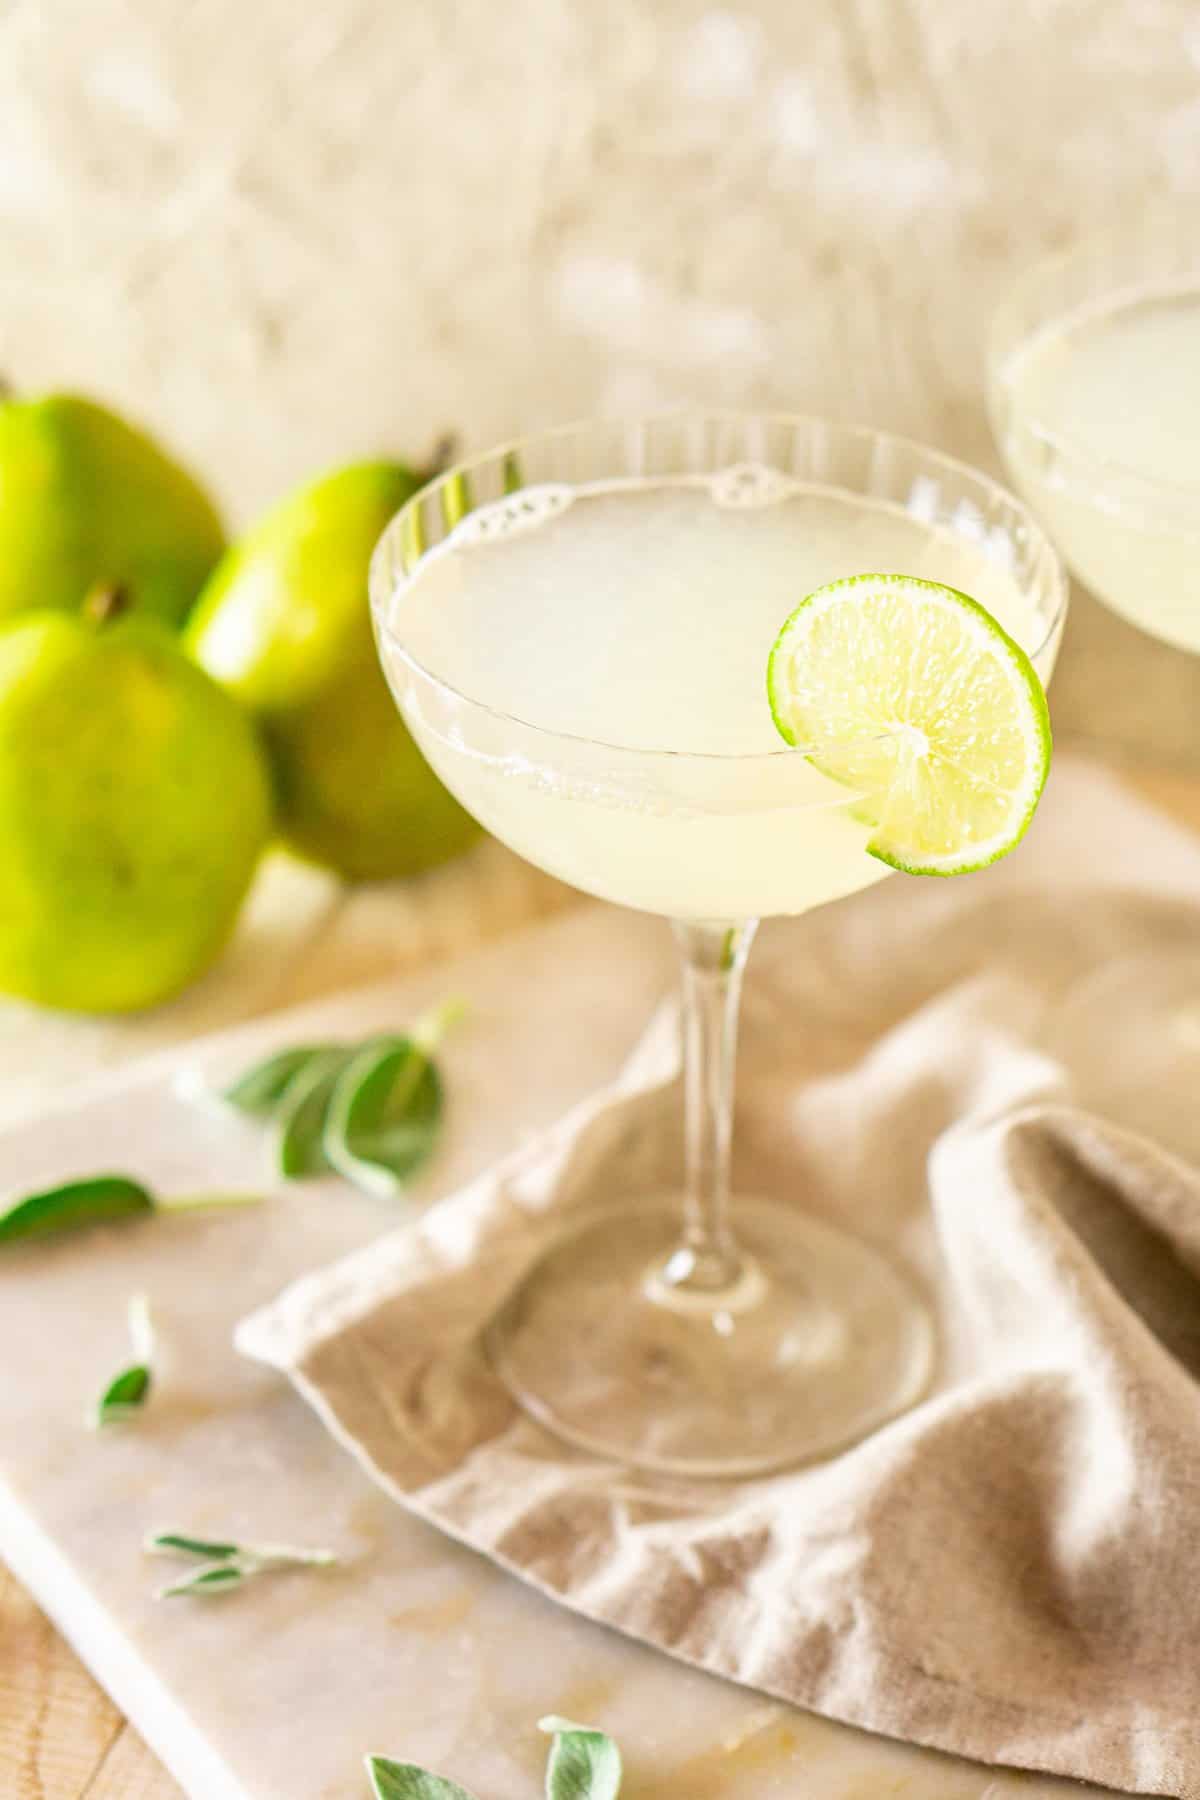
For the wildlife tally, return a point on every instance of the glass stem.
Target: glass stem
(707, 1262)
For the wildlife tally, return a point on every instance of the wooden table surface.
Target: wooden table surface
(61, 1738)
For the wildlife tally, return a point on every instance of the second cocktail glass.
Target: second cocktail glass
(1093, 384)
(576, 629)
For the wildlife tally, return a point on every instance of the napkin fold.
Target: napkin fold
(1008, 1571)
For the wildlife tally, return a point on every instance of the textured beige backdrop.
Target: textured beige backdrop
(294, 233)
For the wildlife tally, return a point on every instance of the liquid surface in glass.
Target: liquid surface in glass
(640, 617)
(1096, 409)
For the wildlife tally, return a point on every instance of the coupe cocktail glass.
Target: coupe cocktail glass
(1094, 390)
(576, 629)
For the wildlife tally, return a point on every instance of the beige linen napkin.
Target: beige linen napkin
(1011, 1571)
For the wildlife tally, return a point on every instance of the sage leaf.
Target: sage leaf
(584, 1764)
(228, 1564)
(213, 1578)
(383, 1115)
(386, 1109)
(98, 1200)
(404, 1781)
(263, 1556)
(174, 1543)
(370, 1110)
(263, 1086)
(300, 1122)
(124, 1395)
(129, 1390)
(93, 1200)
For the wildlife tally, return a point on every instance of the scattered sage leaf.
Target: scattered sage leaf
(227, 1564)
(213, 1578)
(254, 1557)
(300, 1122)
(386, 1108)
(261, 1088)
(129, 1390)
(94, 1200)
(404, 1781)
(383, 1115)
(98, 1200)
(387, 1114)
(126, 1393)
(168, 1543)
(261, 1556)
(584, 1764)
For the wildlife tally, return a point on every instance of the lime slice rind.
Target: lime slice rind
(912, 693)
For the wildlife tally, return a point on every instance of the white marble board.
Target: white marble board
(416, 1647)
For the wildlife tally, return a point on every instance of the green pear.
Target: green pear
(284, 623)
(134, 804)
(86, 497)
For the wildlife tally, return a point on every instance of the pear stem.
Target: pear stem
(444, 451)
(104, 602)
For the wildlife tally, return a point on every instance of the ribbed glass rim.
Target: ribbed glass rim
(383, 583)
(1007, 335)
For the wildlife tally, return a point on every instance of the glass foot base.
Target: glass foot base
(818, 1342)
(1129, 1038)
